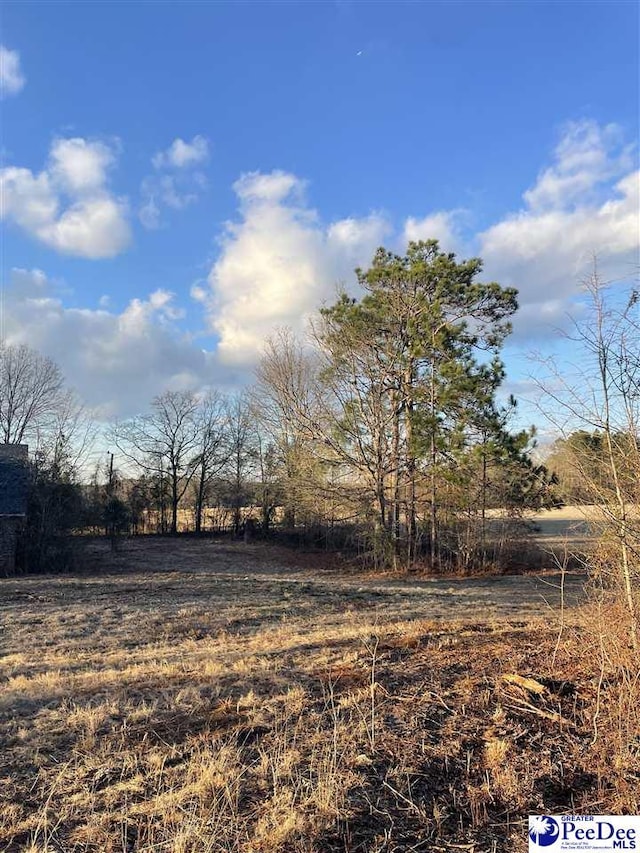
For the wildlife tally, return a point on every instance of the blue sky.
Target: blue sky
(182, 178)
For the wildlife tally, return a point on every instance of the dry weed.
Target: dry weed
(224, 719)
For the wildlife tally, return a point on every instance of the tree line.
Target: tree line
(380, 432)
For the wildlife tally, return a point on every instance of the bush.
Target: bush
(56, 508)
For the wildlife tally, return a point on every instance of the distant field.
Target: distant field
(573, 527)
(200, 696)
(570, 520)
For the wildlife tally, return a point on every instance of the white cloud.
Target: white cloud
(181, 154)
(175, 184)
(116, 361)
(79, 166)
(586, 156)
(441, 226)
(279, 263)
(149, 212)
(67, 205)
(90, 228)
(167, 191)
(269, 188)
(586, 202)
(29, 200)
(12, 80)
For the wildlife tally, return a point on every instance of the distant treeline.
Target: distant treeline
(380, 433)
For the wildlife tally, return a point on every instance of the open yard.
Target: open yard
(194, 696)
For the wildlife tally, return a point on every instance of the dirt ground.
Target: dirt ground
(191, 695)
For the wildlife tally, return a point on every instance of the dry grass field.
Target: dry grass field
(192, 696)
(567, 529)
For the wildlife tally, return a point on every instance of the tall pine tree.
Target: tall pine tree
(411, 367)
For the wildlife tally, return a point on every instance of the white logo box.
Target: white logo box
(585, 833)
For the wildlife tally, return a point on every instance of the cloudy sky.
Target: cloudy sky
(179, 179)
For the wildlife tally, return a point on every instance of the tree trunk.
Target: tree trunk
(412, 531)
(395, 463)
(266, 515)
(174, 501)
(200, 503)
(483, 523)
(433, 537)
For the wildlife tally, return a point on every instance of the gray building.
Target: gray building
(13, 502)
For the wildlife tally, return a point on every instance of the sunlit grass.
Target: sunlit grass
(238, 707)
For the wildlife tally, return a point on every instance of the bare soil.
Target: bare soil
(191, 695)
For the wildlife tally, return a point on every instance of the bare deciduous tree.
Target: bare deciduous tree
(239, 426)
(164, 443)
(211, 445)
(605, 398)
(285, 403)
(31, 393)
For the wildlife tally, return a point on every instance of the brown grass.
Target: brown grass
(207, 700)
